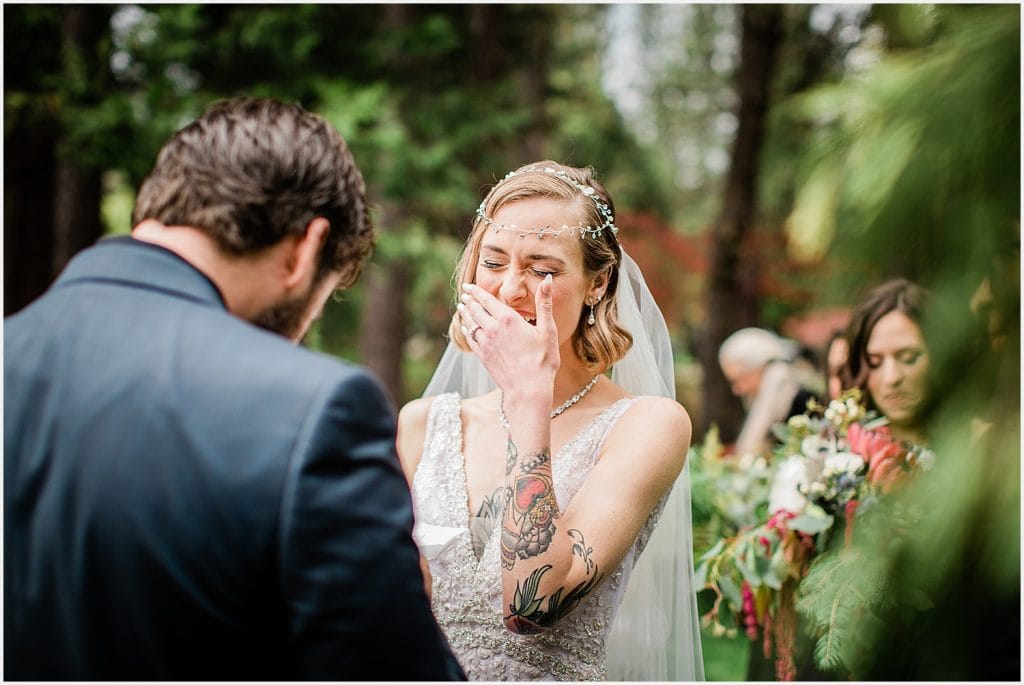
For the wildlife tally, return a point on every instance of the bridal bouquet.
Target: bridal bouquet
(832, 466)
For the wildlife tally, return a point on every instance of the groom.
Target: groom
(187, 496)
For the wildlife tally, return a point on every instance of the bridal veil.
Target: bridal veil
(655, 635)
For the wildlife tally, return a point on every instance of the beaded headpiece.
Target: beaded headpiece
(585, 231)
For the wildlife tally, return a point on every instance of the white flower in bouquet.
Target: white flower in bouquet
(800, 421)
(922, 457)
(817, 489)
(785, 491)
(746, 460)
(853, 409)
(814, 445)
(839, 463)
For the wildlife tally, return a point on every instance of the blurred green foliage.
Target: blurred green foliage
(918, 174)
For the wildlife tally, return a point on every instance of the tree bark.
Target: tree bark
(730, 300)
(77, 183)
(52, 196)
(383, 322)
(28, 206)
(533, 85)
(77, 224)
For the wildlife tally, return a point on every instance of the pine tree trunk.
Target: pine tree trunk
(730, 302)
(76, 212)
(382, 330)
(383, 320)
(78, 188)
(30, 149)
(51, 197)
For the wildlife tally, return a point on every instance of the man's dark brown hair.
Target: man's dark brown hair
(251, 171)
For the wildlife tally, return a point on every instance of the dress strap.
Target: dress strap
(439, 486)
(444, 425)
(608, 419)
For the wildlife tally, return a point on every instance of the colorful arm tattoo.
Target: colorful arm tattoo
(530, 510)
(526, 615)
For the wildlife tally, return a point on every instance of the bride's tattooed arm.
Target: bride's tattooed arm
(529, 526)
(529, 614)
(530, 510)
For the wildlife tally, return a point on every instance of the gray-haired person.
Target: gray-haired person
(767, 373)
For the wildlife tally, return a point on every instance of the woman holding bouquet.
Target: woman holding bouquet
(888, 356)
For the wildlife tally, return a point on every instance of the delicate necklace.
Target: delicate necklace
(557, 410)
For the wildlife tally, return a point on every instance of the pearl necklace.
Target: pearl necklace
(557, 411)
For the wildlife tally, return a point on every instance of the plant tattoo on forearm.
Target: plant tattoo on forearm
(527, 617)
(530, 510)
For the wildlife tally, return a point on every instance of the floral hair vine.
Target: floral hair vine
(584, 231)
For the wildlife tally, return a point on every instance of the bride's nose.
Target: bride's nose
(513, 286)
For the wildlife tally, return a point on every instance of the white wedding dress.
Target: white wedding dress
(655, 635)
(467, 596)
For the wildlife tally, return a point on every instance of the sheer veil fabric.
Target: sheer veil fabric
(655, 635)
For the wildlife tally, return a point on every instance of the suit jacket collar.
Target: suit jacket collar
(136, 263)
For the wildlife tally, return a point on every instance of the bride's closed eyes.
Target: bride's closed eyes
(540, 265)
(492, 265)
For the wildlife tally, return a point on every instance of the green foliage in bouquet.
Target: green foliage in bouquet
(835, 465)
(847, 596)
(728, 493)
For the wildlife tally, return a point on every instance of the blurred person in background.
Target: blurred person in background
(889, 358)
(772, 378)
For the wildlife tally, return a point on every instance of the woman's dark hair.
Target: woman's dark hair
(898, 295)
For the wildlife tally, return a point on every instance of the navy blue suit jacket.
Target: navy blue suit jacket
(189, 497)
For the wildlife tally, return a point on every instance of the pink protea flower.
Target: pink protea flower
(883, 453)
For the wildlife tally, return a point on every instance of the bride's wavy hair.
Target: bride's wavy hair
(605, 342)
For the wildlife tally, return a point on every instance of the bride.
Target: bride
(537, 480)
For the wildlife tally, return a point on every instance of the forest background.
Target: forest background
(770, 164)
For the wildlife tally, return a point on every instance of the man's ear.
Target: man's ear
(304, 255)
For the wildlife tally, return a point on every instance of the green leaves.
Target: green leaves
(812, 525)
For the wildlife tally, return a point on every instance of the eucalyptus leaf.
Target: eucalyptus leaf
(812, 525)
(731, 591)
(876, 423)
(714, 551)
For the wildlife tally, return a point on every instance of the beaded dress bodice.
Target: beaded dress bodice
(467, 595)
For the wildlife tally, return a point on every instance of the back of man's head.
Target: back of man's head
(251, 171)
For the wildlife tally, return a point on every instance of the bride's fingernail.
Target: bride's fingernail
(467, 286)
(464, 297)
(461, 307)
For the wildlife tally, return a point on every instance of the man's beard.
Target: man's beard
(287, 317)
